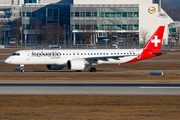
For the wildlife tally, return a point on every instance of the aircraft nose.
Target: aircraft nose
(7, 60)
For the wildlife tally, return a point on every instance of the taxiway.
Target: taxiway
(88, 88)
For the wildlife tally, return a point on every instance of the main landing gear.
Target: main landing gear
(92, 69)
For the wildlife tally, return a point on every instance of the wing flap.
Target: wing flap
(104, 58)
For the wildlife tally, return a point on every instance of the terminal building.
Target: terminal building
(174, 33)
(122, 17)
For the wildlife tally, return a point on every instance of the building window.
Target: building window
(113, 14)
(23, 14)
(124, 14)
(30, 1)
(88, 14)
(107, 14)
(33, 14)
(136, 14)
(76, 14)
(136, 27)
(130, 14)
(95, 14)
(53, 13)
(130, 27)
(72, 14)
(118, 14)
(82, 14)
(26, 14)
(124, 27)
(76, 27)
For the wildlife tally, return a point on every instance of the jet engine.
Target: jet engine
(76, 64)
(54, 67)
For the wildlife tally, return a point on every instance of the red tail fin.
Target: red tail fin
(152, 47)
(155, 42)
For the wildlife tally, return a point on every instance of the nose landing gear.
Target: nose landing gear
(21, 68)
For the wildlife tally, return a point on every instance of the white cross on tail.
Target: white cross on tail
(156, 41)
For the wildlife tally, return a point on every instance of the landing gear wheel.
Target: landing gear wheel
(22, 70)
(92, 69)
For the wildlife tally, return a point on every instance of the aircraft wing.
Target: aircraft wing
(104, 58)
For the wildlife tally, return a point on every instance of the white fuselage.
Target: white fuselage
(60, 56)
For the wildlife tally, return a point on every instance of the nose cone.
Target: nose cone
(7, 60)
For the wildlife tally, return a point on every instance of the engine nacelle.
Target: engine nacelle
(54, 67)
(76, 64)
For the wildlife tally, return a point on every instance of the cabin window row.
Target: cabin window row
(98, 53)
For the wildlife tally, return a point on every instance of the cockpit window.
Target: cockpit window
(15, 54)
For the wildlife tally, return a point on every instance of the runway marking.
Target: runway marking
(160, 87)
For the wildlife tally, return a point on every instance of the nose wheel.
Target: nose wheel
(22, 70)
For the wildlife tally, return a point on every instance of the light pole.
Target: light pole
(64, 27)
(21, 34)
(4, 36)
(68, 38)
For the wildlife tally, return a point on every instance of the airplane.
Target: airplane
(78, 59)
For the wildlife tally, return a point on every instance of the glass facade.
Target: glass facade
(104, 17)
(155, 1)
(172, 30)
(30, 1)
(46, 14)
(72, 18)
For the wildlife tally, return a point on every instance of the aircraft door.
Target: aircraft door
(27, 55)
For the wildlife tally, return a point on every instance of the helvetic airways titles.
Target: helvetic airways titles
(46, 54)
